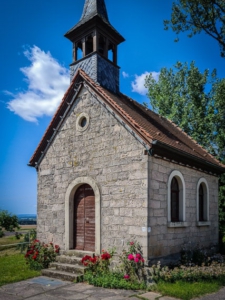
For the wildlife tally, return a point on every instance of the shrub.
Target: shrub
(98, 264)
(129, 274)
(8, 221)
(18, 235)
(188, 273)
(1, 233)
(40, 255)
(132, 262)
(199, 255)
(113, 280)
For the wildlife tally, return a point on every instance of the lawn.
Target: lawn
(187, 290)
(6, 240)
(13, 267)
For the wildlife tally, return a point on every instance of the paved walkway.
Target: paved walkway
(45, 288)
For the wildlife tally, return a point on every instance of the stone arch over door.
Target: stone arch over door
(69, 211)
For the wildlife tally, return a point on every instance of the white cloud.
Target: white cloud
(138, 85)
(125, 75)
(47, 82)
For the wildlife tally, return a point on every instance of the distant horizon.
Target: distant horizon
(25, 215)
(32, 214)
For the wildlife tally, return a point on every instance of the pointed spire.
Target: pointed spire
(94, 8)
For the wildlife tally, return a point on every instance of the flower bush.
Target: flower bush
(98, 264)
(40, 255)
(126, 276)
(132, 262)
(188, 273)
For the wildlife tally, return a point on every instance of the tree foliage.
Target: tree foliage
(195, 102)
(8, 221)
(195, 16)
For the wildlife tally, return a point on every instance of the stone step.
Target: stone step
(77, 253)
(74, 269)
(74, 260)
(62, 275)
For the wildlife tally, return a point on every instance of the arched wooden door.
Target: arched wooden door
(84, 218)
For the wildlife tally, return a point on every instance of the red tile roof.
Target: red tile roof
(161, 135)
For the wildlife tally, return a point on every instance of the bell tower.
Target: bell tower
(95, 43)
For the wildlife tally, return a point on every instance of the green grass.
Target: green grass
(186, 290)
(13, 268)
(5, 240)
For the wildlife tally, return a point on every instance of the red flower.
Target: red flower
(131, 243)
(105, 256)
(34, 257)
(126, 276)
(94, 259)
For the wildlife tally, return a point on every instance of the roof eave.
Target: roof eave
(173, 154)
(74, 31)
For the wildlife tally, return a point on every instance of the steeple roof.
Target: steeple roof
(94, 9)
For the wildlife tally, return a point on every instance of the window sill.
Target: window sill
(204, 223)
(176, 224)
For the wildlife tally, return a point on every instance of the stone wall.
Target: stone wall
(164, 240)
(113, 158)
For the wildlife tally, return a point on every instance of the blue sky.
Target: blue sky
(34, 64)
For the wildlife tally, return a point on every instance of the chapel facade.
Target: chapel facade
(110, 170)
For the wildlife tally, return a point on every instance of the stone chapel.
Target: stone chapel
(110, 170)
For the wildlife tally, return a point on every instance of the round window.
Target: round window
(82, 122)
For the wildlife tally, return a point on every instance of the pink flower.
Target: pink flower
(136, 259)
(138, 255)
(126, 276)
(130, 257)
(131, 243)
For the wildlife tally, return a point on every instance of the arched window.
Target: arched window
(202, 203)
(176, 200)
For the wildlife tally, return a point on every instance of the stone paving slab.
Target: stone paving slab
(151, 295)
(45, 288)
(5, 296)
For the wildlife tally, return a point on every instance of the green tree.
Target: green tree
(195, 102)
(195, 16)
(8, 221)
